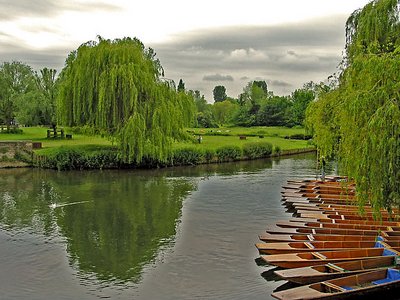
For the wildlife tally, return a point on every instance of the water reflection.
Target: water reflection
(113, 222)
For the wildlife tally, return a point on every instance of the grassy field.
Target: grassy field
(224, 137)
(250, 131)
(39, 134)
(231, 136)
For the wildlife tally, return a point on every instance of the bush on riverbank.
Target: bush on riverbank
(106, 157)
(255, 150)
(78, 158)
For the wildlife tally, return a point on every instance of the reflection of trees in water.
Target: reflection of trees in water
(128, 216)
(115, 235)
(25, 199)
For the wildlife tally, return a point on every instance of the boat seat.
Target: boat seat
(333, 287)
(335, 267)
(318, 255)
(309, 245)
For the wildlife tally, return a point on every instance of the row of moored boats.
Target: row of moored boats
(331, 249)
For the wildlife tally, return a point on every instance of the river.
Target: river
(176, 233)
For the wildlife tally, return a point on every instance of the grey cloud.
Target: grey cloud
(278, 83)
(50, 58)
(218, 77)
(289, 54)
(23, 8)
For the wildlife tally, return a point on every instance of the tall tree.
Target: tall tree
(359, 122)
(114, 86)
(181, 86)
(16, 81)
(38, 106)
(219, 93)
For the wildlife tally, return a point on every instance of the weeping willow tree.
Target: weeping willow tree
(114, 86)
(359, 122)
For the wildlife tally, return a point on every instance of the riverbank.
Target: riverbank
(206, 146)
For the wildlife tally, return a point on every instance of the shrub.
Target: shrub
(187, 156)
(78, 158)
(299, 136)
(228, 153)
(209, 155)
(257, 150)
(277, 150)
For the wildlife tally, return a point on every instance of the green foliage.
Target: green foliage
(16, 81)
(26, 96)
(12, 130)
(277, 150)
(79, 158)
(359, 122)
(219, 93)
(187, 156)
(206, 119)
(224, 111)
(299, 136)
(114, 87)
(300, 98)
(228, 153)
(209, 155)
(375, 29)
(257, 150)
(273, 112)
(181, 86)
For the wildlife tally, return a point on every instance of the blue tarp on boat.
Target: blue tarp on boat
(391, 275)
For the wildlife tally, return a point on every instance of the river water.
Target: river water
(177, 233)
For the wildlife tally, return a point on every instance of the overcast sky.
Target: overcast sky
(206, 43)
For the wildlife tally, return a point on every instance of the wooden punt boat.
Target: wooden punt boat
(288, 224)
(310, 230)
(328, 207)
(317, 191)
(318, 246)
(276, 238)
(332, 189)
(317, 215)
(340, 221)
(351, 208)
(307, 275)
(296, 260)
(375, 284)
(344, 211)
(289, 200)
(319, 196)
(322, 205)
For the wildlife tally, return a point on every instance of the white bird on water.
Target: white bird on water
(55, 205)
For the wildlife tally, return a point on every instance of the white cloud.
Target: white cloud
(247, 54)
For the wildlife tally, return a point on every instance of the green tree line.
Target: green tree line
(256, 106)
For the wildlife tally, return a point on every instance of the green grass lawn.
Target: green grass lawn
(274, 135)
(230, 137)
(252, 131)
(213, 142)
(39, 134)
